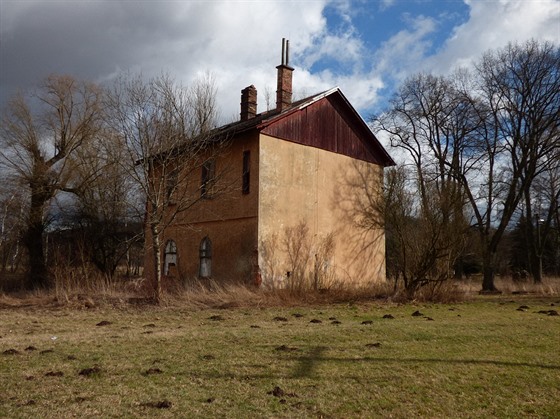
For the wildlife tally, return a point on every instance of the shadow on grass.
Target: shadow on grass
(306, 363)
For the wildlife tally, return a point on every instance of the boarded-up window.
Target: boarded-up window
(246, 176)
(205, 267)
(170, 256)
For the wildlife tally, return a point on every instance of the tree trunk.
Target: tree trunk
(38, 277)
(156, 250)
(37, 274)
(535, 262)
(459, 268)
(488, 272)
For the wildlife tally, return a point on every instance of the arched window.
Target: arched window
(205, 253)
(170, 256)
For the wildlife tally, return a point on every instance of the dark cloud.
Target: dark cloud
(93, 40)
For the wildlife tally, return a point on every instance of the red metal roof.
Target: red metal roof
(327, 121)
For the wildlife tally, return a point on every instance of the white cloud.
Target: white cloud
(492, 25)
(385, 4)
(404, 52)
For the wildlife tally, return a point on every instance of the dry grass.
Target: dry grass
(550, 286)
(482, 358)
(97, 291)
(214, 295)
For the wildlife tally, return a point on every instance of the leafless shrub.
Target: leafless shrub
(547, 286)
(296, 244)
(270, 269)
(323, 274)
(441, 292)
(296, 262)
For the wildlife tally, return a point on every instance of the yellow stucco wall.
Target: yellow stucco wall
(323, 190)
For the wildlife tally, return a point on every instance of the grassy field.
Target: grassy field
(491, 357)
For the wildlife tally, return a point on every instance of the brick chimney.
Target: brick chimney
(248, 103)
(284, 84)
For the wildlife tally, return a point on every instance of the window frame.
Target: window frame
(207, 178)
(169, 255)
(171, 182)
(205, 258)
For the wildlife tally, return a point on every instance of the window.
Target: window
(207, 179)
(170, 256)
(171, 183)
(205, 253)
(246, 176)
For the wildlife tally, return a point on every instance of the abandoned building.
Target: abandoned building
(295, 173)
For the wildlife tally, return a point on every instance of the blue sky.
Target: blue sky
(365, 47)
(375, 22)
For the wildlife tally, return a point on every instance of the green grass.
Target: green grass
(482, 358)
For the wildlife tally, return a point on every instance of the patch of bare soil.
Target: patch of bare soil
(87, 372)
(54, 374)
(284, 348)
(152, 371)
(280, 393)
(549, 312)
(373, 345)
(163, 404)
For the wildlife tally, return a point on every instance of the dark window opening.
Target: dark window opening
(207, 180)
(246, 178)
(205, 253)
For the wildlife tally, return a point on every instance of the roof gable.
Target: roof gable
(328, 121)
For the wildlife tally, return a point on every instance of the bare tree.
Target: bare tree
(518, 98)
(422, 242)
(40, 135)
(541, 203)
(484, 134)
(426, 226)
(165, 130)
(105, 211)
(12, 208)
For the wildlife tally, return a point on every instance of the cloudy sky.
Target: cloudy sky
(363, 46)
